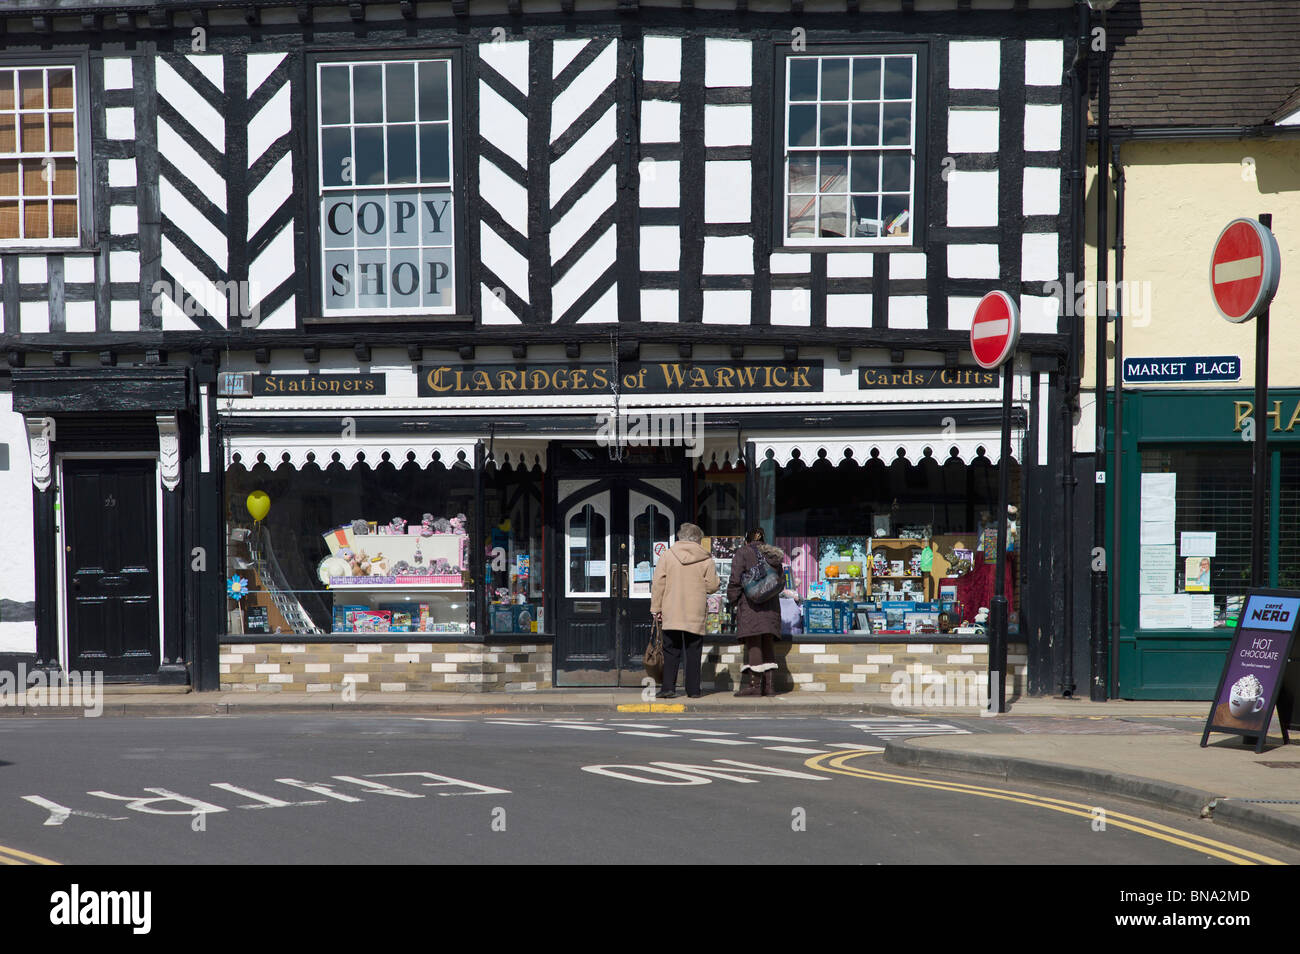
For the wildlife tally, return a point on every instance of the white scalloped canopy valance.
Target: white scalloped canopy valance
(322, 450)
(912, 447)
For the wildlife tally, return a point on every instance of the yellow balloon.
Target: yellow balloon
(259, 504)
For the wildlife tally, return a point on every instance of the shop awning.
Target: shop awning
(912, 447)
(300, 449)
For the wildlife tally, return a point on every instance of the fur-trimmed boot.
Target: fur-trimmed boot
(769, 683)
(750, 684)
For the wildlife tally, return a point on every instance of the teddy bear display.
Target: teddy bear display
(360, 528)
(398, 524)
(457, 523)
(442, 525)
(359, 563)
(426, 525)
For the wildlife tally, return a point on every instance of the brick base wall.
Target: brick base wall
(385, 667)
(870, 669)
(927, 673)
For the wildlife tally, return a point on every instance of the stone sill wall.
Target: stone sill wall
(385, 667)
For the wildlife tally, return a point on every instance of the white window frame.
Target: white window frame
(451, 213)
(911, 149)
(45, 65)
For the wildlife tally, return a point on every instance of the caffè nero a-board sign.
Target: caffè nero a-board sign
(1253, 675)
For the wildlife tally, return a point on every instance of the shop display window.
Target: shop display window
(335, 550)
(1194, 537)
(516, 569)
(886, 547)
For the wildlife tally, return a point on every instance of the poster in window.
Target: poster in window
(1197, 578)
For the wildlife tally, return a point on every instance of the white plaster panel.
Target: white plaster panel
(586, 87)
(124, 315)
(790, 263)
(121, 172)
(906, 265)
(974, 64)
(78, 269)
(1044, 62)
(1042, 128)
(728, 255)
(211, 184)
(494, 310)
(1039, 260)
(203, 117)
(1042, 191)
(584, 273)
(973, 261)
(123, 266)
(117, 72)
(119, 122)
(727, 63)
(973, 130)
(727, 194)
(972, 198)
(270, 123)
(79, 315)
(504, 262)
(32, 270)
(660, 121)
(581, 218)
(728, 125)
(907, 311)
(212, 66)
(791, 306)
(661, 248)
(508, 197)
(661, 59)
(660, 304)
(726, 307)
(848, 311)
(660, 183)
(583, 154)
(260, 66)
(1039, 314)
(849, 264)
(270, 194)
(34, 317)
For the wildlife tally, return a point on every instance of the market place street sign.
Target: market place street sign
(646, 377)
(1225, 367)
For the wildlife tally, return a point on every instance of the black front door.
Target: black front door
(110, 540)
(614, 520)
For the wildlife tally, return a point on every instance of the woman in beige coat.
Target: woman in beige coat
(684, 576)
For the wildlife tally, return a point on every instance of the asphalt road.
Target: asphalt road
(501, 789)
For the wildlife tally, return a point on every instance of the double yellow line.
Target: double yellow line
(12, 856)
(837, 762)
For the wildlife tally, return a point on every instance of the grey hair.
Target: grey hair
(690, 533)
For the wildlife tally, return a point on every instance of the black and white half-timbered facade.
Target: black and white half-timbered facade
(384, 346)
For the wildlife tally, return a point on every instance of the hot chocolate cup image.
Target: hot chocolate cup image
(1246, 697)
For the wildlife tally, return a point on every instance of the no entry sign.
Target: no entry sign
(995, 329)
(1244, 270)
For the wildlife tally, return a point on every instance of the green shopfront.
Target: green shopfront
(1184, 551)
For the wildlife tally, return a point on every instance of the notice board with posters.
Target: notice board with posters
(1256, 669)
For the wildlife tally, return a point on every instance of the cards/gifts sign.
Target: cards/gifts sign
(1254, 672)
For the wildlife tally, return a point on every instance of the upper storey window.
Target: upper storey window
(387, 202)
(39, 161)
(850, 143)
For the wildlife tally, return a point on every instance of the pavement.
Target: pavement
(1146, 751)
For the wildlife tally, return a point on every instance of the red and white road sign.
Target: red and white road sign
(1244, 269)
(995, 329)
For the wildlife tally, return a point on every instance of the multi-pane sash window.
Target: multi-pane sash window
(38, 155)
(386, 198)
(850, 148)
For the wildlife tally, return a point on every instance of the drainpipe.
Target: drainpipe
(1117, 426)
(1070, 398)
(1100, 642)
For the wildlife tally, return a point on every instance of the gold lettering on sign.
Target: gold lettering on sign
(1241, 410)
(801, 376)
(434, 379)
(600, 378)
(1295, 416)
(1276, 415)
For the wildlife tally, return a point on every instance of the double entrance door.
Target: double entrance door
(614, 519)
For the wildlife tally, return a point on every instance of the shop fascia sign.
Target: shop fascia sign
(648, 377)
(893, 376)
(251, 384)
(1243, 410)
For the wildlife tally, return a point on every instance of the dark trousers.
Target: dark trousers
(675, 640)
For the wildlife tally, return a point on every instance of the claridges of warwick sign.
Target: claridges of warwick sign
(652, 377)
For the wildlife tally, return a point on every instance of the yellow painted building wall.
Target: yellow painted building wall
(1179, 196)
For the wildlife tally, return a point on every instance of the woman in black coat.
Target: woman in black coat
(757, 624)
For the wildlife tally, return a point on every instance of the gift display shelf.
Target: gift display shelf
(389, 584)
